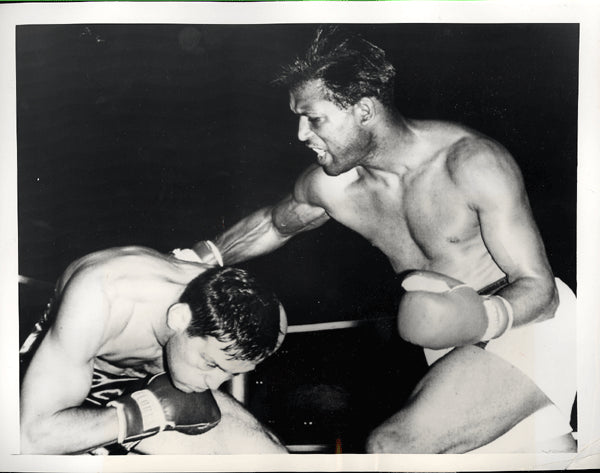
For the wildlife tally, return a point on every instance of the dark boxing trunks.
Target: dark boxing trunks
(108, 386)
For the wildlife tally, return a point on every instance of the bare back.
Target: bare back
(139, 285)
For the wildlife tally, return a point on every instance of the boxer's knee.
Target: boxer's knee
(414, 429)
(385, 440)
(402, 433)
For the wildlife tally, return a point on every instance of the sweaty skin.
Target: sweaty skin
(119, 312)
(432, 196)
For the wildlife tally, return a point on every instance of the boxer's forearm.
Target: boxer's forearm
(253, 236)
(532, 299)
(268, 229)
(73, 430)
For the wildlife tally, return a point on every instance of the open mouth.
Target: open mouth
(321, 154)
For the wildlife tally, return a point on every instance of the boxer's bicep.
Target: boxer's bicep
(497, 193)
(292, 216)
(303, 209)
(493, 186)
(271, 227)
(60, 373)
(261, 232)
(54, 381)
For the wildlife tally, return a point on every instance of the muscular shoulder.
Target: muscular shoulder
(82, 315)
(91, 288)
(315, 187)
(483, 169)
(111, 261)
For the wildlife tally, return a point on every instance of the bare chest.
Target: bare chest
(132, 348)
(130, 367)
(417, 223)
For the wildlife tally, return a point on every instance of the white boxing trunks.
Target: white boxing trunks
(547, 353)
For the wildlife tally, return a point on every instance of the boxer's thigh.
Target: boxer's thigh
(238, 432)
(467, 399)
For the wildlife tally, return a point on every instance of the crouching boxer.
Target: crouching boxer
(131, 352)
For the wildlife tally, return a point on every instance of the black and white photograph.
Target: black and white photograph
(295, 239)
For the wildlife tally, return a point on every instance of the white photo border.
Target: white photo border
(584, 12)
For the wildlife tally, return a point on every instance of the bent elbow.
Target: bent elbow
(30, 442)
(550, 304)
(553, 301)
(36, 440)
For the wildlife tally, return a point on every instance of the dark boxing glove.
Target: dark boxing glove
(438, 311)
(161, 406)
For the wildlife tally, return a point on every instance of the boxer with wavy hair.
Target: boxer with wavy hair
(131, 352)
(348, 66)
(448, 206)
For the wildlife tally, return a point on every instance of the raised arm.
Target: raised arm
(59, 378)
(271, 227)
(494, 187)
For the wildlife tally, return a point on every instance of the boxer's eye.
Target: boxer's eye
(207, 363)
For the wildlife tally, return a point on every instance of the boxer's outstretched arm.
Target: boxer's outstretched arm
(271, 227)
(59, 378)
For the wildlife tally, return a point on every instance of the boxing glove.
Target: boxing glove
(161, 406)
(438, 311)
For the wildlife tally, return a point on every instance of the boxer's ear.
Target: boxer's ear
(179, 316)
(283, 327)
(364, 110)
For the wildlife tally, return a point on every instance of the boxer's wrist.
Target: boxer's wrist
(140, 414)
(208, 252)
(500, 317)
(121, 421)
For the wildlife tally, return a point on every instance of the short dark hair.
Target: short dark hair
(232, 306)
(349, 66)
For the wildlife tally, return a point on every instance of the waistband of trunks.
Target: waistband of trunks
(108, 386)
(494, 287)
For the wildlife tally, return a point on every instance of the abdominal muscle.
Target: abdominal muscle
(420, 221)
(450, 245)
(473, 265)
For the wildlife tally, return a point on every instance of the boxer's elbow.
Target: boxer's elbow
(553, 300)
(38, 437)
(32, 441)
(548, 303)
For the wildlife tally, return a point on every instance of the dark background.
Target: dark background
(162, 135)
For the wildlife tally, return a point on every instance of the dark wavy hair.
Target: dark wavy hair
(349, 66)
(232, 306)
